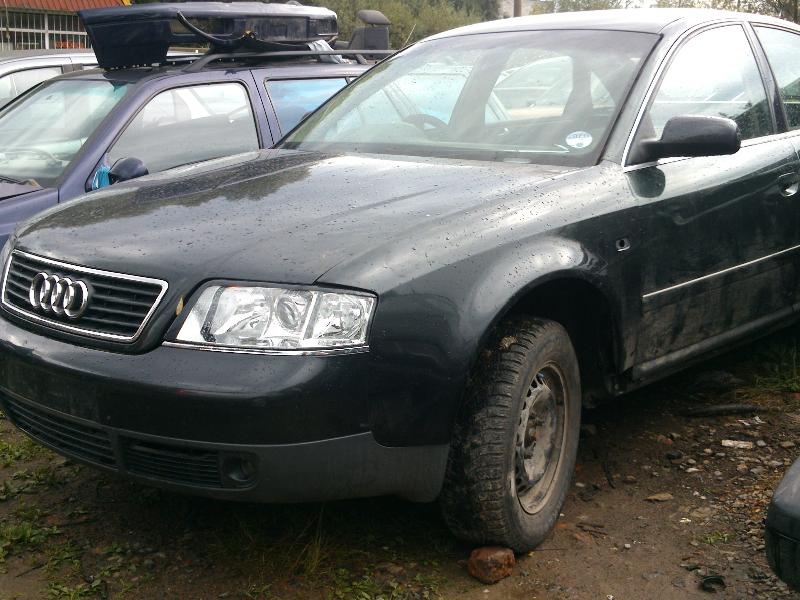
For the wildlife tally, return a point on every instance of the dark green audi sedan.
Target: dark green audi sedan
(415, 291)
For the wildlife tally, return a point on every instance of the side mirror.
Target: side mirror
(125, 169)
(691, 136)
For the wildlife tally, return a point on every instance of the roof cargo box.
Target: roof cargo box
(129, 36)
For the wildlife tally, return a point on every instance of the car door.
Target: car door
(720, 233)
(782, 50)
(187, 124)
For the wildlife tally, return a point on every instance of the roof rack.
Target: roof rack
(139, 35)
(359, 55)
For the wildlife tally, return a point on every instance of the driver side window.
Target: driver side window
(713, 74)
(187, 125)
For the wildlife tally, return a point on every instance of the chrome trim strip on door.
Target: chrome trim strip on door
(722, 272)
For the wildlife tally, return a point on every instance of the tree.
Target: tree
(411, 20)
(486, 9)
(784, 9)
(548, 6)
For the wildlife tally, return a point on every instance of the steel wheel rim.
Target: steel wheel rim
(539, 439)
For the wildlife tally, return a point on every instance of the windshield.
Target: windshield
(41, 133)
(533, 96)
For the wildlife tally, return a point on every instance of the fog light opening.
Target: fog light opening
(239, 469)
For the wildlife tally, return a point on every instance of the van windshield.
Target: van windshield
(42, 132)
(532, 96)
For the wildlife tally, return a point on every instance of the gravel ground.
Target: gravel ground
(661, 507)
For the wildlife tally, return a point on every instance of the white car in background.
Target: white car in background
(20, 70)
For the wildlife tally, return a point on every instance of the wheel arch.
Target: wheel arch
(576, 300)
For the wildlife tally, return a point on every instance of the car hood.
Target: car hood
(278, 216)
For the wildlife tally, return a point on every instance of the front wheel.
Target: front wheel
(516, 439)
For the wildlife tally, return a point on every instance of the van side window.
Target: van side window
(293, 99)
(187, 125)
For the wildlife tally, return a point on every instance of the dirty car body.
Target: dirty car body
(422, 219)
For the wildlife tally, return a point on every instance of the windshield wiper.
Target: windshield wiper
(12, 180)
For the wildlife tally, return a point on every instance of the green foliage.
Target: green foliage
(411, 20)
(18, 449)
(785, 9)
(782, 365)
(24, 533)
(548, 6)
(716, 537)
(60, 591)
(486, 9)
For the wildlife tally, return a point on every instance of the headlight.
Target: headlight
(266, 317)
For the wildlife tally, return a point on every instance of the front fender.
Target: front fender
(443, 288)
(428, 332)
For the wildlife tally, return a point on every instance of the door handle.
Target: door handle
(789, 184)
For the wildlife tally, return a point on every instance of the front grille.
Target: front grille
(173, 463)
(118, 306)
(72, 438)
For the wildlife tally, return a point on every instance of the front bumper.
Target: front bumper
(246, 427)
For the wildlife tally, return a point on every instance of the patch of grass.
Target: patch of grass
(715, 537)
(347, 586)
(780, 358)
(25, 532)
(81, 591)
(47, 477)
(258, 591)
(7, 491)
(12, 451)
(27, 480)
(63, 554)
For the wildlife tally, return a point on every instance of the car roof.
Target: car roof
(14, 55)
(644, 20)
(140, 74)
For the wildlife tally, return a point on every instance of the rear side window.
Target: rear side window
(293, 99)
(783, 51)
(713, 74)
(187, 125)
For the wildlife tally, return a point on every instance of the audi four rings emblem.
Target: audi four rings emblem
(59, 295)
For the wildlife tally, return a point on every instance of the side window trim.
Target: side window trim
(784, 126)
(663, 68)
(780, 122)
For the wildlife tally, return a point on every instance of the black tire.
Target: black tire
(783, 555)
(488, 477)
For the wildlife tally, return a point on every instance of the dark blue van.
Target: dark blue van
(64, 137)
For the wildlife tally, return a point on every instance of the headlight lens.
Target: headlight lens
(267, 317)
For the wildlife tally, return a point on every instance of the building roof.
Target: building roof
(59, 5)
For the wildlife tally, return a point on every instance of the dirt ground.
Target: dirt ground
(68, 532)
